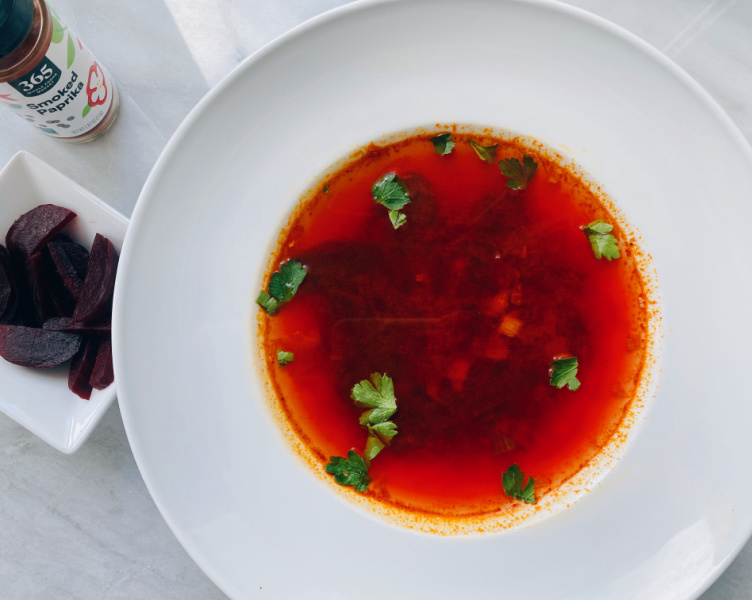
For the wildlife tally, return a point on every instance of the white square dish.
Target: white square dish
(39, 399)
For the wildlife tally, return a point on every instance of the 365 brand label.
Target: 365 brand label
(67, 94)
(42, 79)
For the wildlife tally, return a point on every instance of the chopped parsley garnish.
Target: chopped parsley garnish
(391, 191)
(283, 285)
(326, 189)
(374, 445)
(485, 153)
(443, 143)
(601, 241)
(513, 481)
(386, 430)
(379, 437)
(564, 372)
(268, 303)
(284, 357)
(350, 471)
(377, 395)
(519, 173)
(397, 218)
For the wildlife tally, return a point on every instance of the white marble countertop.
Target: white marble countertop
(84, 526)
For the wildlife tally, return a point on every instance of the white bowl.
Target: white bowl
(39, 399)
(674, 510)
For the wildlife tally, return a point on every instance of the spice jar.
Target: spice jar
(49, 77)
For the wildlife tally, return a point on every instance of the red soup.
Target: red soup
(465, 306)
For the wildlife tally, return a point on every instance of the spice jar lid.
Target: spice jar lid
(16, 17)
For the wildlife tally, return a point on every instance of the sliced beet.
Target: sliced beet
(79, 256)
(31, 347)
(32, 230)
(70, 326)
(103, 374)
(48, 295)
(38, 309)
(82, 367)
(61, 300)
(16, 319)
(24, 312)
(96, 294)
(70, 260)
(8, 291)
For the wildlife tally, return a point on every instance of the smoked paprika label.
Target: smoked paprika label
(67, 93)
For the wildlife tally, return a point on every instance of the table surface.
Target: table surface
(84, 526)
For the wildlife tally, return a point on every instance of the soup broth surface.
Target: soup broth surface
(465, 306)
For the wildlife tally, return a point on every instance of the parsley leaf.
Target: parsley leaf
(512, 482)
(284, 283)
(268, 303)
(519, 174)
(601, 241)
(379, 436)
(385, 430)
(485, 153)
(397, 218)
(390, 191)
(442, 143)
(565, 373)
(350, 471)
(374, 445)
(284, 358)
(377, 396)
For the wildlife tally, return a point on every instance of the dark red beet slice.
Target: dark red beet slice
(47, 292)
(16, 319)
(79, 256)
(39, 308)
(62, 237)
(70, 326)
(13, 311)
(31, 231)
(82, 367)
(60, 299)
(96, 294)
(8, 292)
(25, 312)
(103, 374)
(31, 347)
(70, 261)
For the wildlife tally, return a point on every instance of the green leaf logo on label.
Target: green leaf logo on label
(71, 50)
(58, 30)
(87, 108)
